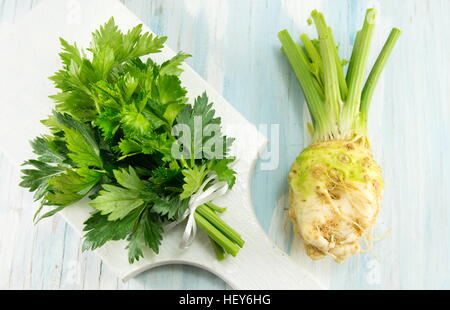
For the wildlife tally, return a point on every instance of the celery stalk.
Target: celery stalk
(215, 208)
(338, 103)
(300, 65)
(216, 235)
(374, 75)
(217, 222)
(314, 55)
(220, 253)
(340, 72)
(331, 81)
(358, 65)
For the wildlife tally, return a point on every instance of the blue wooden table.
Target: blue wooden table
(235, 48)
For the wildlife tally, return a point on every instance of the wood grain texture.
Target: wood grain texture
(235, 49)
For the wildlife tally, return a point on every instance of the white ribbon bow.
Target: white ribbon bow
(201, 197)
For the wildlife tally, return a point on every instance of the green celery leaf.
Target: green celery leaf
(171, 207)
(76, 103)
(116, 201)
(223, 171)
(85, 153)
(163, 175)
(134, 121)
(79, 181)
(128, 147)
(129, 179)
(170, 89)
(127, 46)
(136, 243)
(48, 151)
(161, 143)
(155, 121)
(72, 186)
(103, 61)
(67, 188)
(153, 231)
(80, 141)
(107, 95)
(200, 119)
(193, 179)
(147, 233)
(143, 73)
(48, 214)
(37, 179)
(172, 66)
(148, 144)
(109, 122)
(51, 156)
(172, 112)
(100, 230)
(71, 53)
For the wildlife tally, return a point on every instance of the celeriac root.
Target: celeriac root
(335, 191)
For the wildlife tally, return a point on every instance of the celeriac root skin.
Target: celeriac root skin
(335, 192)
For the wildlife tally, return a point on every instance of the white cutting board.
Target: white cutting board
(29, 55)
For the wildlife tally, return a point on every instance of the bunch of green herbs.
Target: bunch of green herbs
(111, 139)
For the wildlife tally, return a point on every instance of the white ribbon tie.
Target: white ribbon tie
(201, 197)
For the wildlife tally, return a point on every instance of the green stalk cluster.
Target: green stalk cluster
(222, 236)
(338, 103)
